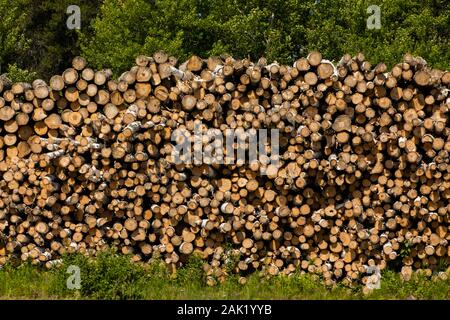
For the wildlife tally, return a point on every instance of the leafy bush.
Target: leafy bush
(280, 30)
(108, 276)
(16, 74)
(34, 35)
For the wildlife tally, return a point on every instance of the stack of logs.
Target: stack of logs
(364, 177)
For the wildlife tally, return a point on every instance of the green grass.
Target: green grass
(116, 277)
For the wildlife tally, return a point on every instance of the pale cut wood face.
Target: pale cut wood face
(356, 178)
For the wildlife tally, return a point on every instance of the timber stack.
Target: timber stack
(362, 177)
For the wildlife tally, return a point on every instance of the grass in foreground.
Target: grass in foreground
(116, 277)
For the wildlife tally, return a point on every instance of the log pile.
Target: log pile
(363, 175)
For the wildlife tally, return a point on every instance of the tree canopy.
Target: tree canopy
(33, 34)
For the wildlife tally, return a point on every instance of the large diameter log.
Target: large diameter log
(6, 113)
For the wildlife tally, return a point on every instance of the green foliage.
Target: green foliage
(192, 271)
(279, 30)
(120, 31)
(110, 276)
(415, 26)
(419, 287)
(442, 265)
(405, 250)
(16, 74)
(12, 28)
(34, 36)
(25, 280)
(52, 44)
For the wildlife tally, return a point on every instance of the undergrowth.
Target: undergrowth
(112, 276)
